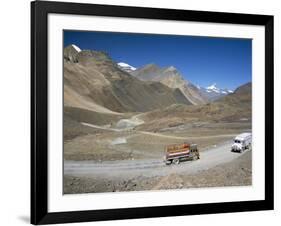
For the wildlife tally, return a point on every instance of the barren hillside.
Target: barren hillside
(171, 77)
(235, 107)
(94, 82)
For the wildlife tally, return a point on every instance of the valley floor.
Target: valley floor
(126, 156)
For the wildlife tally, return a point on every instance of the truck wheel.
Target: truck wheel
(176, 161)
(168, 162)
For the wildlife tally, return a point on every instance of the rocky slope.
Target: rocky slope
(171, 77)
(235, 107)
(70, 53)
(93, 81)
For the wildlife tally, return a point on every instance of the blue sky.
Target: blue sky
(201, 60)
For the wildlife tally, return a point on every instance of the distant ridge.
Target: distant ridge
(212, 92)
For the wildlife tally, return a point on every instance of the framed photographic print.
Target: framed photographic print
(145, 112)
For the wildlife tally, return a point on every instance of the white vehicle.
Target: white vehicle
(242, 142)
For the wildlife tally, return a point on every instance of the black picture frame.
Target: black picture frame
(39, 112)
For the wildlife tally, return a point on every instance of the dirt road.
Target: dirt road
(150, 167)
(122, 124)
(156, 134)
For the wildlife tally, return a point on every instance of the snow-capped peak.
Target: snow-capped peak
(213, 88)
(212, 92)
(76, 48)
(126, 66)
(171, 68)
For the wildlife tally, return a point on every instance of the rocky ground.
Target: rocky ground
(235, 173)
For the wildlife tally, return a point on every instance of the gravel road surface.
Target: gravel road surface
(151, 167)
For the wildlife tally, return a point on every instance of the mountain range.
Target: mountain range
(171, 77)
(99, 91)
(93, 81)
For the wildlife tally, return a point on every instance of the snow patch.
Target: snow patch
(76, 48)
(126, 66)
(213, 86)
(215, 89)
(171, 68)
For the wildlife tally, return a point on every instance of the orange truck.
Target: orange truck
(176, 153)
